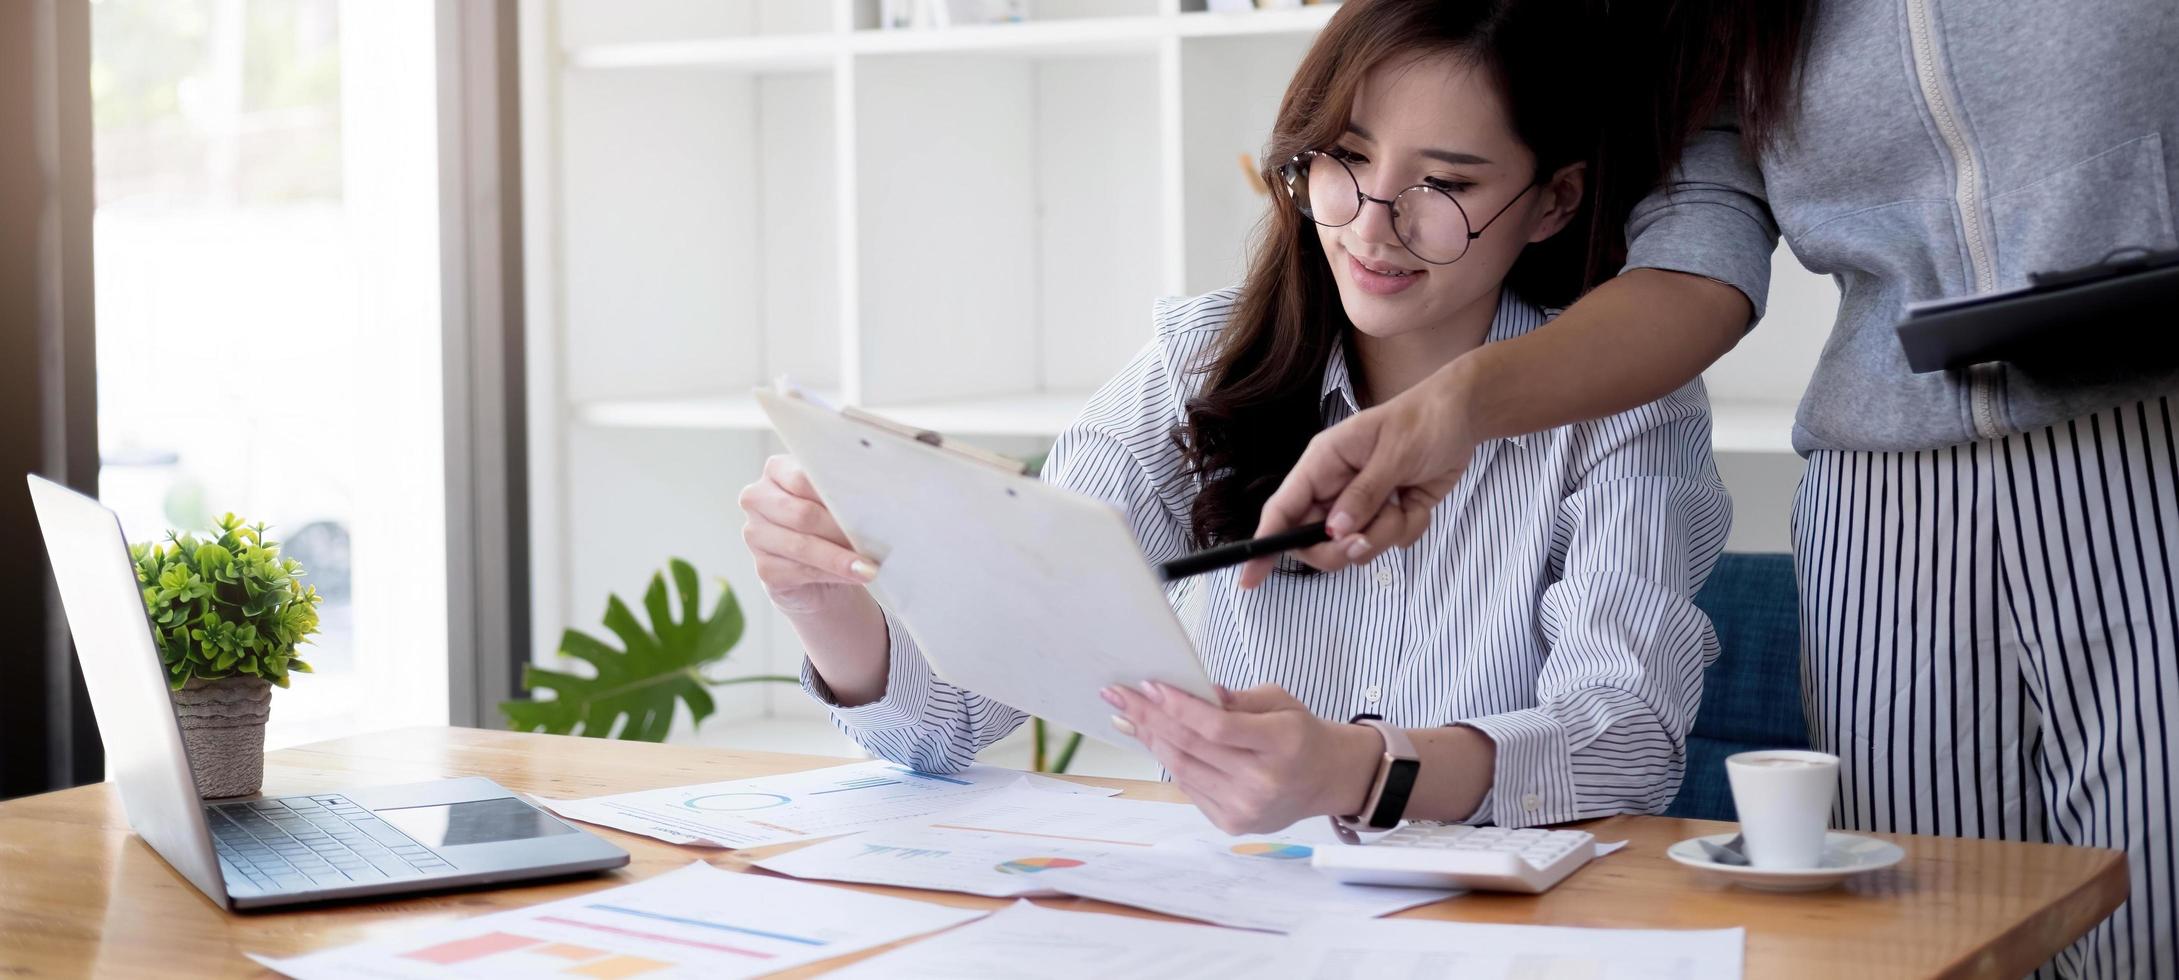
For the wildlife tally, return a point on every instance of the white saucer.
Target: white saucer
(1844, 856)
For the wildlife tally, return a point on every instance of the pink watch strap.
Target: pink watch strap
(1398, 748)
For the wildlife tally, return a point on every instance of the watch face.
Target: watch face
(1399, 782)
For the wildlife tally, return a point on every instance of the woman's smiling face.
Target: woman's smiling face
(1441, 122)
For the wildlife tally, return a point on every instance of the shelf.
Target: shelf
(1746, 426)
(760, 53)
(1737, 426)
(724, 413)
(1297, 20)
(1041, 414)
(1092, 35)
(1079, 36)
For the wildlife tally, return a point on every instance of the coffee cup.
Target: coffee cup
(1784, 798)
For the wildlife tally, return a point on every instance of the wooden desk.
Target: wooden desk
(80, 895)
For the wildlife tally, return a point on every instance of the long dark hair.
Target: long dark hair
(1257, 408)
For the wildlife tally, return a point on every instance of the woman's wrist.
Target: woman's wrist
(1463, 391)
(848, 646)
(1358, 752)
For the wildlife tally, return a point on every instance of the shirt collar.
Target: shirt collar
(1515, 316)
(1338, 389)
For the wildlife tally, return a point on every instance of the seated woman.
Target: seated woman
(1537, 646)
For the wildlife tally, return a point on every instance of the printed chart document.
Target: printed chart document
(1421, 948)
(799, 805)
(1165, 857)
(698, 921)
(1025, 940)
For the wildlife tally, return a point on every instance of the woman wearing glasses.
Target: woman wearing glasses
(1536, 659)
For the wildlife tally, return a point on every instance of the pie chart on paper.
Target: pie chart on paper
(1274, 851)
(1033, 865)
(733, 802)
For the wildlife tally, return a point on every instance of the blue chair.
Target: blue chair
(1751, 696)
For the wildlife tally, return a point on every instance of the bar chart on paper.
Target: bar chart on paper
(609, 941)
(695, 922)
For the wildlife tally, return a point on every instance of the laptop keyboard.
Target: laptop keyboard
(297, 843)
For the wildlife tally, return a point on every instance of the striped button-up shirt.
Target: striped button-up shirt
(1548, 605)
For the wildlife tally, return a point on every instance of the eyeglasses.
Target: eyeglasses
(1427, 219)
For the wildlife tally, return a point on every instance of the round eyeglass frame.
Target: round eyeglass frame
(1295, 172)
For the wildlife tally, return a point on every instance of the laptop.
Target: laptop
(259, 853)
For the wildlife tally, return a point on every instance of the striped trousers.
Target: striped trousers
(1988, 638)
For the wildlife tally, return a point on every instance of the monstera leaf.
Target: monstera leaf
(640, 682)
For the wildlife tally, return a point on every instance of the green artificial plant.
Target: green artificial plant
(640, 682)
(224, 607)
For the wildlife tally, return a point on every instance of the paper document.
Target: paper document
(698, 921)
(799, 805)
(1165, 857)
(1423, 948)
(1025, 940)
(967, 562)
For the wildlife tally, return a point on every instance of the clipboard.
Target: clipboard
(1023, 592)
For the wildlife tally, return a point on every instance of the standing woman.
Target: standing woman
(1985, 555)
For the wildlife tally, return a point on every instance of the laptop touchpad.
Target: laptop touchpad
(474, 822)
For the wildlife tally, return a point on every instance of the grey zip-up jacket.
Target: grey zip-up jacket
(1945, 148)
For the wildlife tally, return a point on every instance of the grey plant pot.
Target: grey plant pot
(223, 726)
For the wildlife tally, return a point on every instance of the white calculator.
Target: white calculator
(1457, 856)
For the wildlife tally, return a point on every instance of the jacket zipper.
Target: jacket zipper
(1966, 195)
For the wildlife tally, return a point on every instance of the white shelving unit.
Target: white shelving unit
(962, 228)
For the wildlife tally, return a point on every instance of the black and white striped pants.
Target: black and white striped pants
(1988, 640)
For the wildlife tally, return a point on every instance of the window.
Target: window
(269, 339)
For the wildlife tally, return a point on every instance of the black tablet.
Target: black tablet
(2103, 310)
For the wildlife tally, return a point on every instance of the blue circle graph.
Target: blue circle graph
(731, 802)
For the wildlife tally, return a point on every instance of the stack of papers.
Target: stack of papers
(1000, 833)
(1087, 946)
(698, 921)
(799, 805)
(1165, 857)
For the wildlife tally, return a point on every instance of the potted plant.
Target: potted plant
(227, 613)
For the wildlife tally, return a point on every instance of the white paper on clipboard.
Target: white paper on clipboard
(1025, 593)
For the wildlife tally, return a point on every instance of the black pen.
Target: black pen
(1212, 559)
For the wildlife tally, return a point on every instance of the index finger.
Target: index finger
(1302, 496)
(1314, 555)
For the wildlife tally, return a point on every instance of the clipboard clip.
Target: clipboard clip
(1003, 463)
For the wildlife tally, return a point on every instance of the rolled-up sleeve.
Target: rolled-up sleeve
(920, 721)
(1626, 646)
(1711, 217)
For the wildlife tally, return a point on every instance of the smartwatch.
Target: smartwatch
(1396, 771)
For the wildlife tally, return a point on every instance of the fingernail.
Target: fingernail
(1357, 548)
(1112, 697)
(1150, 690)
(864, 570)
(1122, 725)
(1340, 523)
